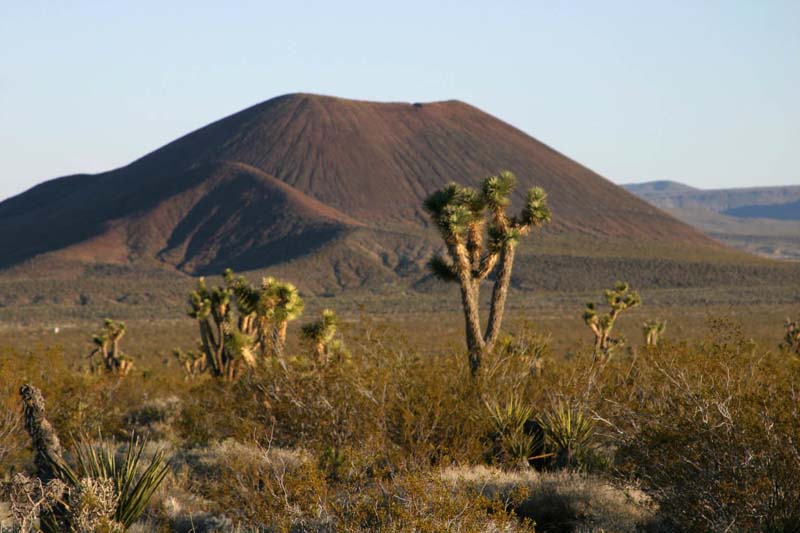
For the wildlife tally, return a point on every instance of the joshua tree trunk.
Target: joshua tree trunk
(319, 352)
(475, 345)
(499, 294)
(279, 337)
(49, 458)
(213, 347)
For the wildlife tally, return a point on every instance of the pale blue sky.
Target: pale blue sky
(703, 92)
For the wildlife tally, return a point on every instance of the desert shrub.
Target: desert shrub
(259, 487)
(559, 501)
(11, 444)
(712, 432)
(206, 415)
(425, 501)
(154, 418)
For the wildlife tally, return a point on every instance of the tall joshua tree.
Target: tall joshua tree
(619, 299)
(226, 347)
(263, 313)
(480, 238)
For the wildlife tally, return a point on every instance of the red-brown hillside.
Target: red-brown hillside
(293, 176)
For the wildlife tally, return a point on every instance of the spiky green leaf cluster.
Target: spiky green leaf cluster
(509, 416)
(590, 313)
(569, 432)
(620, 297)
(536, 211)
(134, 482)
(281, 299)
(497, 189)
(204, 301)
(454, 208)
(322, 330)
(460, 213)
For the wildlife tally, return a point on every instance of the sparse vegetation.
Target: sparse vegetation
(465, 218)
(393, 438)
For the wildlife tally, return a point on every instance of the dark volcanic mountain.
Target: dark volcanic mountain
(335, 186)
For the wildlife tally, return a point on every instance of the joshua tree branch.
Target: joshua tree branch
(499, 294)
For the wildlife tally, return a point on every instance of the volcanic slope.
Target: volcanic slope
(328, 190)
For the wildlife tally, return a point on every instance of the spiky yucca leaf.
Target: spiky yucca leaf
(590, 313)
(282, 299)
(568, 431)
(510, 416)
(134, 485)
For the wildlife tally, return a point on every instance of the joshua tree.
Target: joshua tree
(283, 303)
(253, 310)
(107, 347)
(619, 299)
(226, 347)
(322, 336)
(791, 341)
(652, 331)
(463, 215)
(237, 321)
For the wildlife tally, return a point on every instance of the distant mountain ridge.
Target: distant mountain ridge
(759, 220)
(671, 194)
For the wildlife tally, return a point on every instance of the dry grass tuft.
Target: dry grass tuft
(559, 501)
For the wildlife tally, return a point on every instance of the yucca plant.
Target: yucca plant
(509, 421)
(134, 483)
(568, 433)
(283, 305)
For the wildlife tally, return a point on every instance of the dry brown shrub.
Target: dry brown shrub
(712, 432)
